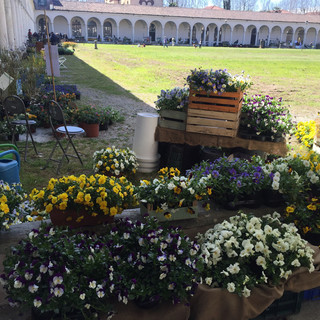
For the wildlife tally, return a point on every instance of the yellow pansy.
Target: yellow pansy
(113, 211)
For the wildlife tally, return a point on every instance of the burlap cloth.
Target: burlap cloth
(219, 304)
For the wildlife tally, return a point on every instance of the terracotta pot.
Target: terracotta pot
(69, 218)
(91, 129)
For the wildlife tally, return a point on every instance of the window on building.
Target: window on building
(107, 29)
(76, 28)
(42, 2)
(92, 29)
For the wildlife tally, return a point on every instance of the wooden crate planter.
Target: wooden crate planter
(226, 102)
(178, 213)
(213, 122)
(172, 119)
(213, 114)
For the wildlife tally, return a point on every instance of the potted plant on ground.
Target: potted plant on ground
(246, 251)
(114, 161)
(172, 106)
(84, 200)
(88, 117)
(171, 196)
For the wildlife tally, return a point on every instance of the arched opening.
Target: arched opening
(92, 29)
(107, 30)
(76, 28)
(288, 36)
(152, 32)
(42, 28)
(253, 37)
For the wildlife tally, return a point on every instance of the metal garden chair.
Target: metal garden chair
(56, 117)
(13, 105)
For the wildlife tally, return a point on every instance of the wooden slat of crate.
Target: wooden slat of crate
(173, 119)
(226, 102)
(213, 122)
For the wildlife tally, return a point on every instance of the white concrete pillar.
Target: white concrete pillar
(86, 31)
(9, 21)
(132, 33)
(231, 35)
(3, 28)
(177, 35)
(118, 31)
(101, 33)
(69, 30)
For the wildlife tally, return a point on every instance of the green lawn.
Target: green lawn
(141, 73)
(292, 74)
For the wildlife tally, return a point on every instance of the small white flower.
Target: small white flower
(58, 291)
(162, 276)
(33, 288)
(92, 284)
(82, 296)
(37, 303)
(231, 287)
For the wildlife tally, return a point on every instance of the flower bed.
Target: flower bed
(264, 116)
(246, 251)
(170, 190)
(14, 205)
(98, 195)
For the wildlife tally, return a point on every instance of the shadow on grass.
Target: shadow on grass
(80, 73)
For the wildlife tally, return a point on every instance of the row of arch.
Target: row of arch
(211, 33)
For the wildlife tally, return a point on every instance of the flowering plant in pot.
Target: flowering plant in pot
(15, 207)
(293, 175)
(246, 251)
(232, 181)
(305, 216)
(265, 116)
(217, 81)
(175, 99)
(88, 114)
(152, 263)
(59, 274)
(114, 161)
(172, 191)
(305, 132)
(96, 196)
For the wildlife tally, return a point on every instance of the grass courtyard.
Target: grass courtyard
(140, 74)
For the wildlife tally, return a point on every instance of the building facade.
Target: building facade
(146, 20)
(211, 25)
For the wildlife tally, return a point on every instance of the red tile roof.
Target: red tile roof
(186, 12)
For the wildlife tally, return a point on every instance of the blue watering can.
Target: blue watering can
(10, 168)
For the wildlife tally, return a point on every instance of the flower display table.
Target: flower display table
(194, 139)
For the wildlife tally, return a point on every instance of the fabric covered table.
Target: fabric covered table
(219, 304)
(194, 139)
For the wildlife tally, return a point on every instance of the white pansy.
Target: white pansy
(231, 287)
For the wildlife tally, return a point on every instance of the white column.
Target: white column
(132, 32)
(69, 30)
(191, 29)
(86, 31)
(118, 31)
(231, 34)
(9, 21)
(3, 28)
(244, 36)
(177, 35)
(101, 35)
